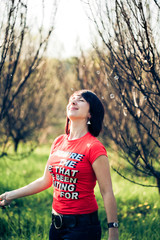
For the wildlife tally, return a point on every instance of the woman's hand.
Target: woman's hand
(4, 199)
(37, 186)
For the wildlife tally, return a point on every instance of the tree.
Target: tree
(20, 59)
(130, 58)
(30, 112)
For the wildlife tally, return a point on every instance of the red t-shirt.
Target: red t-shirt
(70, 164)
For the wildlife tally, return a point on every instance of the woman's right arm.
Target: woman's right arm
(35, 187)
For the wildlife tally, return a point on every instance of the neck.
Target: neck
(77, 130)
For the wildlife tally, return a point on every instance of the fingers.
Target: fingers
(3, 196)
(3, 201)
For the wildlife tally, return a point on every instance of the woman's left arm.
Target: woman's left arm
(102, 171)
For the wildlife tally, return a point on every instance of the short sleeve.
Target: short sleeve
(96, 149)
(56, 141)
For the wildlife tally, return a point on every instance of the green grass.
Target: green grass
(29, 218)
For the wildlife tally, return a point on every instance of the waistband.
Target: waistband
(62, 221)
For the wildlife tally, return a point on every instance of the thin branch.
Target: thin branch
(144, 185)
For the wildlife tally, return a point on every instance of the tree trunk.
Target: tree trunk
(158, 183)
(16, 142)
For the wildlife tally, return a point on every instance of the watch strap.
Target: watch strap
(113, 225)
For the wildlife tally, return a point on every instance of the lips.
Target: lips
(73, 108)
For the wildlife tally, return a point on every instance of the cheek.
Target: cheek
(88, 108)
(86, 111)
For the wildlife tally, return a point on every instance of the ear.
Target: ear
(89, 115)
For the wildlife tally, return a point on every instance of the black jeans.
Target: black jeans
(75, 227)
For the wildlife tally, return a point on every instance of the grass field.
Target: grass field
(29, 218)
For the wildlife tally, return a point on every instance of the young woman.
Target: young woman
(77, 159)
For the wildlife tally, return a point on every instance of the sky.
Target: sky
(72, 27)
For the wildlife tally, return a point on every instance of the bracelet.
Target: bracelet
(113, 225)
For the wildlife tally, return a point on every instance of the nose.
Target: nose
(73, 102)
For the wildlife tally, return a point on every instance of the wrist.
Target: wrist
(113, 225)
(9, 196)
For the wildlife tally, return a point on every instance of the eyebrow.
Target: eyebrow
(79, 96)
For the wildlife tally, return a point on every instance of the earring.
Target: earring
(88, 122)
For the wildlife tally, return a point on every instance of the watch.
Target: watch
(113, 225)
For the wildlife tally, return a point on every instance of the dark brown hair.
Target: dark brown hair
(96, 111)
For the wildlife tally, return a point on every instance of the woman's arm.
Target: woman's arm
(35, 187)
(102, 171)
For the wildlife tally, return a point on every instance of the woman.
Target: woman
(77, 159)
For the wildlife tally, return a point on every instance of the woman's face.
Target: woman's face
(78, 108)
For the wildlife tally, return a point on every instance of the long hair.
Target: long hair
(96, 110)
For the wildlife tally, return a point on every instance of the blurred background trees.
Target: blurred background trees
(23, 89)
(128, 79)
